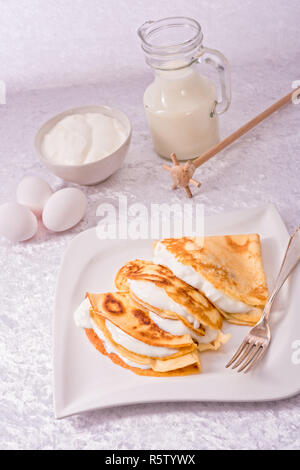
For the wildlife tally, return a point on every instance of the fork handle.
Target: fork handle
(290, 260)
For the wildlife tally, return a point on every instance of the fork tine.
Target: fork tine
(243, 355)
(250, 357)
(256, 359)
(242, 346)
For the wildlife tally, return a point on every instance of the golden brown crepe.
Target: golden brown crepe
(169, 315)
(247, 319)
(231, 263)
(187, 296)
(216, 344)
(120, 309)
(193, 368)
(123, 312)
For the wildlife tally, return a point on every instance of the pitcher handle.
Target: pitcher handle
(220, 63)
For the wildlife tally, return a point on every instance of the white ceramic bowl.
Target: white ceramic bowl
(88, 173)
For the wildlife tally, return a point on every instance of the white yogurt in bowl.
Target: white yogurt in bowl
(83, 138)
(84, 145)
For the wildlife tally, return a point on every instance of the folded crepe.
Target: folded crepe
(124, 331)
(227, 269)
(156, 288)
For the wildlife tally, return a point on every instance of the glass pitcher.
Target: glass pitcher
(180, 104)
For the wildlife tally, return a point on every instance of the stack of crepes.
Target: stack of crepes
(165, 312)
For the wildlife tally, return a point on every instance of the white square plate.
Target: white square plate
(85, 380)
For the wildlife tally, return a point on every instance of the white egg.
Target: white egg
(33, 192)
(17, 222)
(64, 209)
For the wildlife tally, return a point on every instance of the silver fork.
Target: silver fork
(258, 339)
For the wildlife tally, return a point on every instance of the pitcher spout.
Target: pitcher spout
(143, 29)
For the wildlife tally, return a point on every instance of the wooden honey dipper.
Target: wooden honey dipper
(182, 175)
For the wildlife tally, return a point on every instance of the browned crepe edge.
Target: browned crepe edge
(243, 319)
(147, 340)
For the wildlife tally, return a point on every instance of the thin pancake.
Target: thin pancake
(188, 370)
(122, 311)
(231, 263)
(162, 313)
(179, 291)
(213, 345)
(132, 356)
(250, 318)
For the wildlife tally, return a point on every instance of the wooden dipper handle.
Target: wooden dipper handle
(243, 130)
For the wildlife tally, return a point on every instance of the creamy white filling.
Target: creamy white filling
(82, 316)
(110, 349)
(135, 345)
(83, 320)
(153, 295)
(177, 328)
(192, 277)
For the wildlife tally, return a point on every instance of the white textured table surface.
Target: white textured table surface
(262, 167)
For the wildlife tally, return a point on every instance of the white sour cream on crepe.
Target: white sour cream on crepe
(192, 277)
(157, 297)
(83, 319)
(110, 349)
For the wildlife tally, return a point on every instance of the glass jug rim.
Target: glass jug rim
(150, 27)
